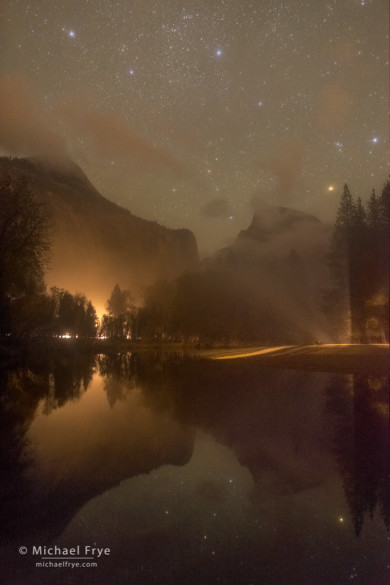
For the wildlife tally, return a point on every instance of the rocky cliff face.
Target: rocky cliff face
(96, 243)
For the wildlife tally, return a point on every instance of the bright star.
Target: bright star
(330, 188)
(218, 52)
(374, 140)
(71, 34)
(131, 71)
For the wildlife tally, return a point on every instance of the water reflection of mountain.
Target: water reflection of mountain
(359, 406)
(60, 458)
(276, 423)
(270, 418)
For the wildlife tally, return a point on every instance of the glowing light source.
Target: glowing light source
(331, 188)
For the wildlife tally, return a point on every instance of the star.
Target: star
(229, 74)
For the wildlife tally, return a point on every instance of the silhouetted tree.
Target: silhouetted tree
(377, 269)
(24, 244)
(31, 315)
(357, 300)
(73, 314)
(336, 298)
(156, 316)
(90, 321)
(383, 250)
(121, 318)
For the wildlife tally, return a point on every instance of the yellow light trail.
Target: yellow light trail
(262, 351)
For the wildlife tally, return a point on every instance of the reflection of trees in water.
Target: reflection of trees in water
(214, 396)
(44, 504)
(122, 372)
(68, 380)
(360, 406)
(20, 394)
(22, 390)
(119, 371)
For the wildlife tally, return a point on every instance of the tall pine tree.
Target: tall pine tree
(377, 266)
(357, 301)
(337, 297)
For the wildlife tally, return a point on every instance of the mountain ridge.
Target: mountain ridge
(95, 242)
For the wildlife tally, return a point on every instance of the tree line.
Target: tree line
(357, 299)
(207, 306)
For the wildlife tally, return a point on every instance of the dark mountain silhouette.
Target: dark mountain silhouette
(96, 243)
(276, 221)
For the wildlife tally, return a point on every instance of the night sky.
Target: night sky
(189, 113)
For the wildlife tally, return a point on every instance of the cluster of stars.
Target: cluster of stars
(222, 81)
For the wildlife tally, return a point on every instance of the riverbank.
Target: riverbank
(14, 351)
(357, 358)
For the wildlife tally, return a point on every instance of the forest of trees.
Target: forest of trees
(357, 301)
(211, 305)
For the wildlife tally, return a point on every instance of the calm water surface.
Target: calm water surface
(193, 472)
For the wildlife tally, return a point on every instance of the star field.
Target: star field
(171, 106)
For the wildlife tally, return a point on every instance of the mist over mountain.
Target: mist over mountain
(96, 243)
(280, 258)
(269, 222)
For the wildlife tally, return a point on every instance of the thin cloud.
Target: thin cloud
(110, 135)
(25, 124)
(29, 128)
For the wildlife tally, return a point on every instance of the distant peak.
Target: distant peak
(270, 221)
